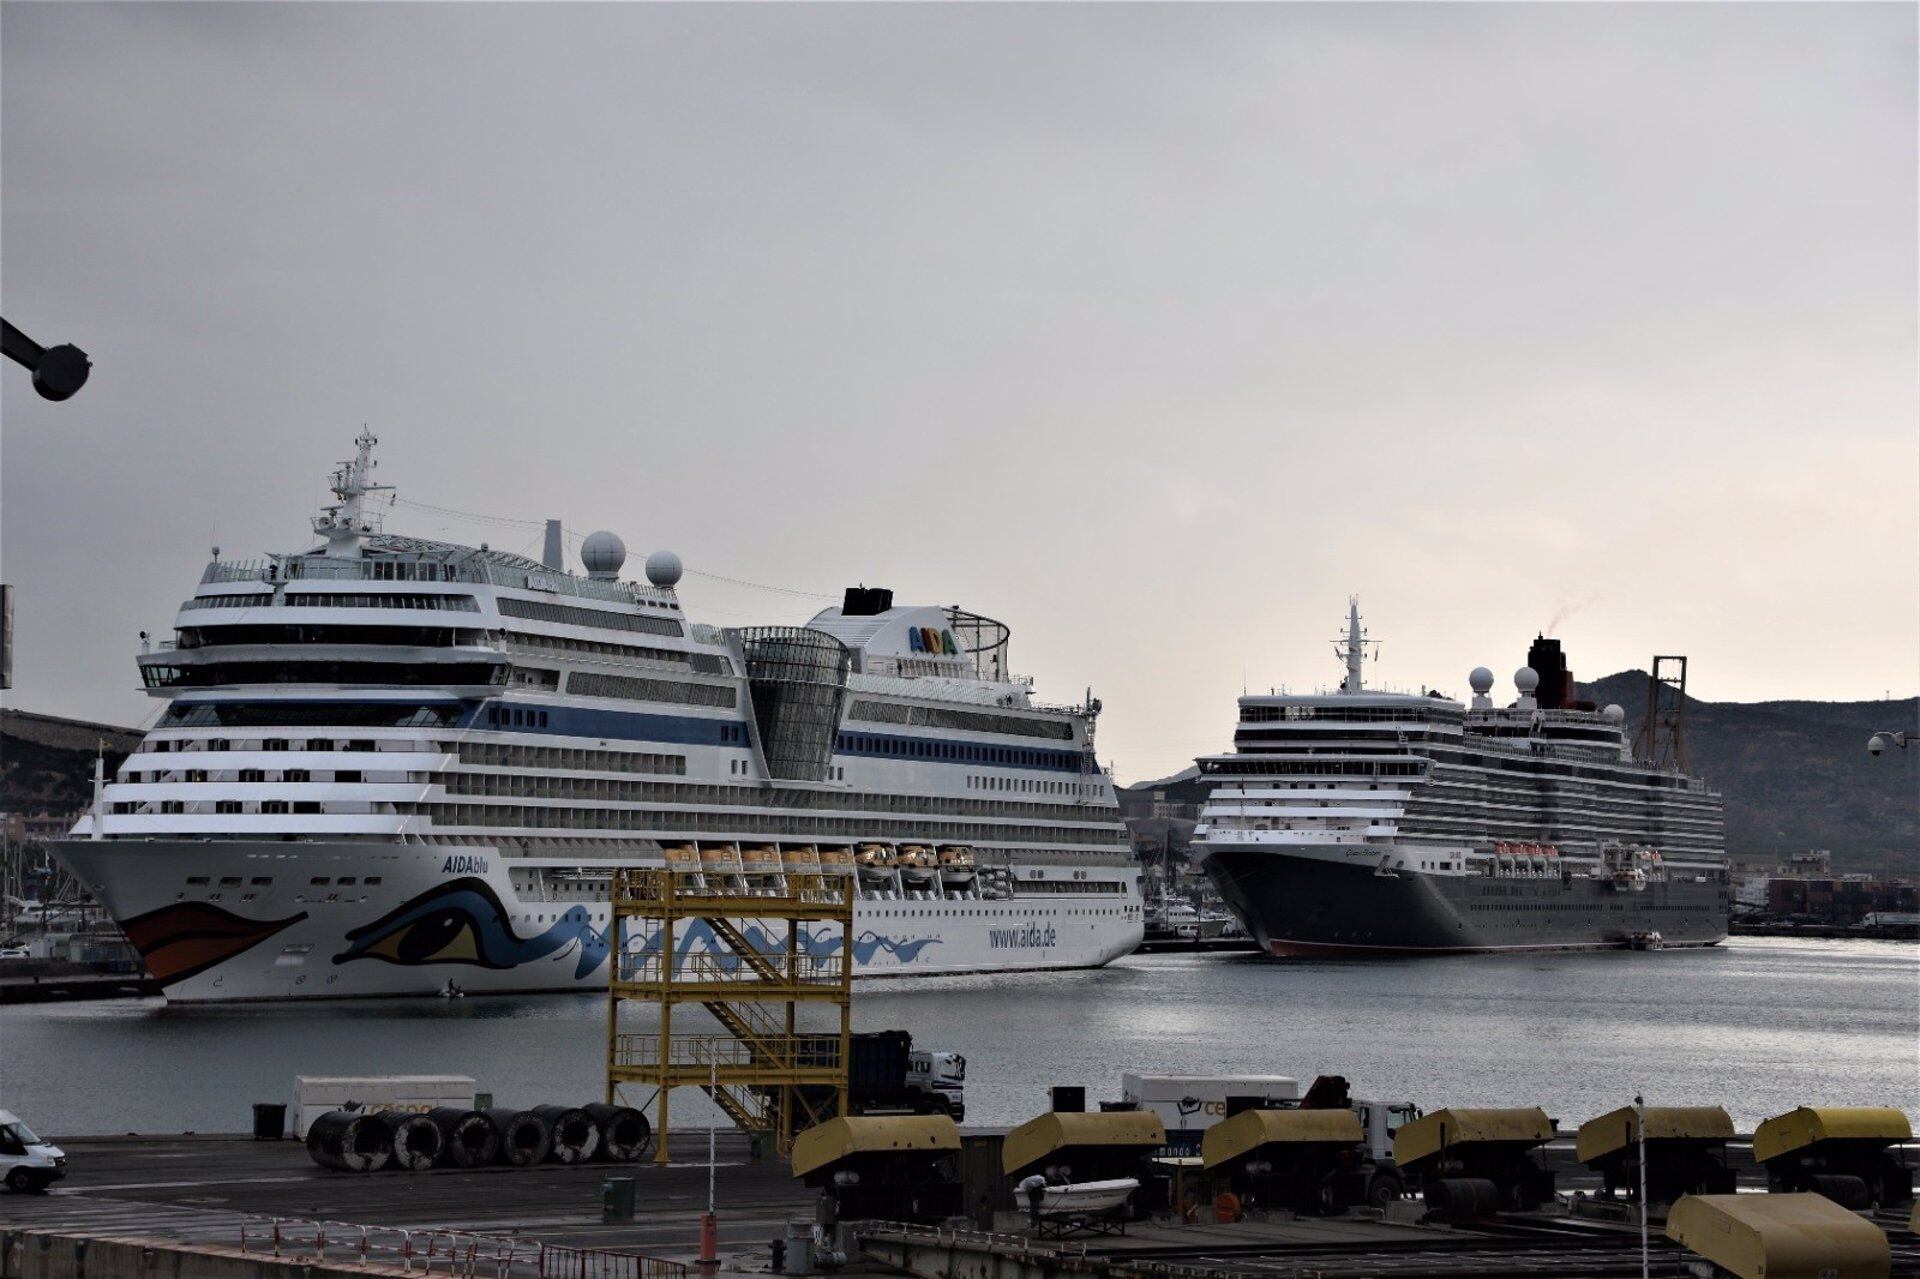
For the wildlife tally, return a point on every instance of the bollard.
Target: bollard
(709, 1244)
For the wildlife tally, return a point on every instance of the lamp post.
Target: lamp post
(58, 371)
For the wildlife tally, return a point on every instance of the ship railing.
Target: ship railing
(425, 567)
(432, 1251)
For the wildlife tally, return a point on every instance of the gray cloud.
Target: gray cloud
(1153, 330)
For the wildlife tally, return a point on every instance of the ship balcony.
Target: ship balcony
(229, 825)
(465, 670)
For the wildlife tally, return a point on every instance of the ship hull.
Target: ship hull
(273, 920)
(1337, 903)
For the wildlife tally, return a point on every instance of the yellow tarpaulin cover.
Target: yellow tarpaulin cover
(1252, 1129)
(834, 1140)
(1430, 1134)
(1037, 1138)
(1615, 1129)
(1808, 1124)
(1780, 1237)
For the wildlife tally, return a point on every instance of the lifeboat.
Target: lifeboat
(876, 862)
(721, 862)
(917, 865)
(682, 859)
(804, 860)
(761, 862)
(957, 866)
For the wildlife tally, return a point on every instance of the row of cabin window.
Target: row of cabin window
(962, 752)
(161, 746)
(261, 881)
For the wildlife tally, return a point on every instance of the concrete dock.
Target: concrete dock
(131, 1203)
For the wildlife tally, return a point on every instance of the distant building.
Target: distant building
(1839, 901)
(37, 828)
(1815, 863)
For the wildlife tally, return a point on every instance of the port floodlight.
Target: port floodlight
(664, 568)
(603, 553)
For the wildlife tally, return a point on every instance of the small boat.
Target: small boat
(917, 864)
(876, 862)
(957, 867)
(1086, 1198)
(1646, 941)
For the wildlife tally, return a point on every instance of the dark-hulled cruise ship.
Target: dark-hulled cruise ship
(1368, 822)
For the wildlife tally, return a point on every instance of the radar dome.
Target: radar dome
(1481, 679)
(1614, 714)
(603, 553)
(663, 568)
(1526, 679)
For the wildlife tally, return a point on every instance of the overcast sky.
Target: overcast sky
(1152, 331)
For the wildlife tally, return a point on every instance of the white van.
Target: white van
(26, 1162)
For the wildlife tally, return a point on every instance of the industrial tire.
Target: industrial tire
(1383, 1191)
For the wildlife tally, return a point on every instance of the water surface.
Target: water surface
(1758, 1026)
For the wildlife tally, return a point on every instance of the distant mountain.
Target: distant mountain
(1795, 775)
(46, 763)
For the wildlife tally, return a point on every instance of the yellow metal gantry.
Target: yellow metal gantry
(764, 1070)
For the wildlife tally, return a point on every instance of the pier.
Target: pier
(225, 1203)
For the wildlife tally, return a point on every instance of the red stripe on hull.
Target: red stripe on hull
(1321, 950)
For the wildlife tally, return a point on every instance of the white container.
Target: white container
(315, 1095)
(1194, 1103)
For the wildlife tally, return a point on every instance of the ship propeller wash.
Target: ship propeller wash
(1362, 821)
(394, 766)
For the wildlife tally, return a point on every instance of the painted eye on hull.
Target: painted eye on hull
(445, 936)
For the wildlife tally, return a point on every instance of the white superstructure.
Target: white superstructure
(388, 764)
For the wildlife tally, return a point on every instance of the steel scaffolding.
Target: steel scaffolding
(763, 958)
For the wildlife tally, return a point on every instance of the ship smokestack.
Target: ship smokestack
(1556, 681)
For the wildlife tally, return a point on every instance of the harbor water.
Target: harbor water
(1758, 1025)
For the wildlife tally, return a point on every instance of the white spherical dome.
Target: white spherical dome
(1481, 680)
(1526, 679)
(663, 568)
(603, 553)
(1614, 714)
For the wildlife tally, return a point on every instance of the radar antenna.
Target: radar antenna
(1353, 648)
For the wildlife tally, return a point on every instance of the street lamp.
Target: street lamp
(1880, 741)
(58, 371)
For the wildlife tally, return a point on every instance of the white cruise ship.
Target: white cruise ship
(1364, 821)
(393, 766)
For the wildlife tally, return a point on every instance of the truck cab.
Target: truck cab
(27, 1164)
(940, 1077)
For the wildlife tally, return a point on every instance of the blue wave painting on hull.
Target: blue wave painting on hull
(463, 922)
(699, 936)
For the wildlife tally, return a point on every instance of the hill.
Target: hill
(1795, 775)
(46, 763)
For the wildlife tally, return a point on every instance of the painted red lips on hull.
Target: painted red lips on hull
(180, 940)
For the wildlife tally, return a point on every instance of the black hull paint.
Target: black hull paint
(1304, 906)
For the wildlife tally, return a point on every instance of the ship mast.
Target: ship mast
(346, 523)
(1353, 648)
